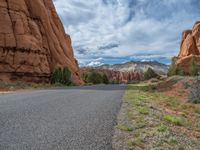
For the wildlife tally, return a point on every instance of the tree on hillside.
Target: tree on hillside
(175, 69)
(179, 71)
(149, 74)
(193, 68)
(105, 79)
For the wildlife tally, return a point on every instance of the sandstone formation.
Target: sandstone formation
(33, 42)
(118, 76)
(122, 77)
(129, 72)
(190, 48)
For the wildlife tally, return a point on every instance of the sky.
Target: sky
(118, 31)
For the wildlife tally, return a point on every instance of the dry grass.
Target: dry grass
(158, 121)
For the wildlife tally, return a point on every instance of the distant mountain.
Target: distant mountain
(129, 72)
(137, 66)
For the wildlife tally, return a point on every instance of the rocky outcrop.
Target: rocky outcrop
(137, 66)
(190, 48)
(122, 77)
(117, 76)
(33, 42)
(129, 72)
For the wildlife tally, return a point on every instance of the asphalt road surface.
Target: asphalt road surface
(78, 118)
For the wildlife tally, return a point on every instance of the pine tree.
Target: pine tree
(149, 74)
(105, 79)
(175, 69)
(193, 68)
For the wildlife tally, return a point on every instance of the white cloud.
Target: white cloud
(94, 64)
(135, 26)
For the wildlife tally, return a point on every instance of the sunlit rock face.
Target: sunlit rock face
(190, 48)
(33, 42)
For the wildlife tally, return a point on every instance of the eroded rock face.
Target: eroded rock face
(123, 77)
(190, 48)
(33, 42)
(118, 76)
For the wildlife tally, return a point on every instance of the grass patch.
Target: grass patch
(138, 141)
(173, 141)
(174, 120)
(143, 110)
(196, 110)
(162, 128)
(124, 127)
(146, 111)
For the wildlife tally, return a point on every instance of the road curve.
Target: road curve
(78, 118)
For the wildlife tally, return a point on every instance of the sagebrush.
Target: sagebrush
(61, 76)
(92, 77)
(195, 92)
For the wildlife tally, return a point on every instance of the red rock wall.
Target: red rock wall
(190, 48)
(121, 77)
(33, 41)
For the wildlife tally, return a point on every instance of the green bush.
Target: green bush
(175, 69)
(61, 76)
(105, 79)
(93, 77)
(193, 68)
(173, 119)
(149, 74)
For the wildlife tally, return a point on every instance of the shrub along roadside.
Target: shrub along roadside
(149, 74)
(61, 76)
(92, 77)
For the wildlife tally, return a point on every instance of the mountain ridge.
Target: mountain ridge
(136, 66)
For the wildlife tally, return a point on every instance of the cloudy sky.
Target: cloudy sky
(117, 31)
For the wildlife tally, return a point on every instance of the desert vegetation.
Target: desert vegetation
(61, 76)
(93, 77)
(153, 117)
(175, 69)
(149, 74)
(193, 68)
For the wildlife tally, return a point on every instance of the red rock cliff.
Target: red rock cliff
(122, 77)
(33, 42)
(118, 76)
(190, 48)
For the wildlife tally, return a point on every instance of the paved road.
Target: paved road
(79, 118)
